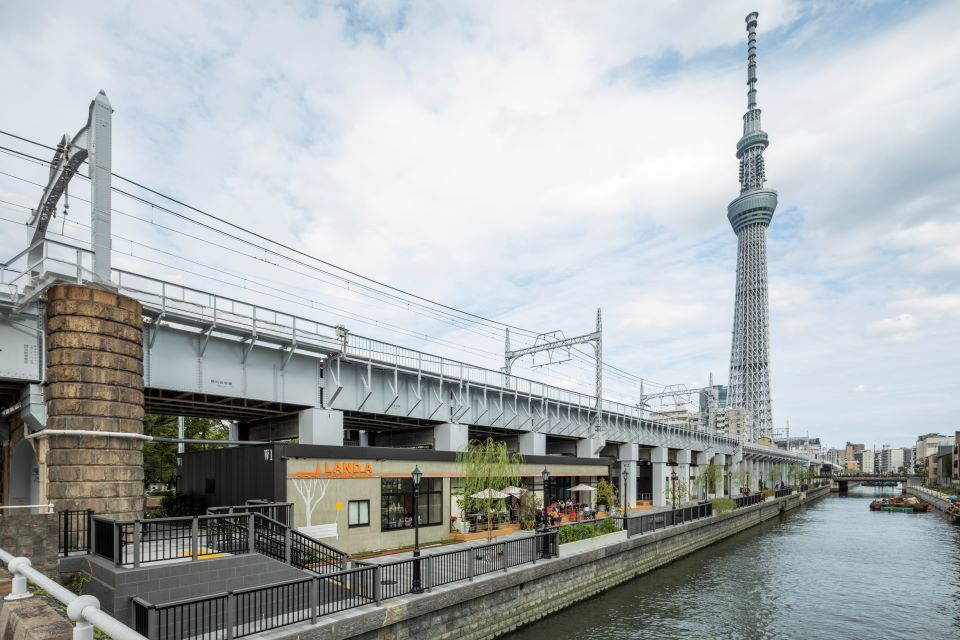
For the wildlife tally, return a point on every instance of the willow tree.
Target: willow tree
(488, 468)
(709, 479)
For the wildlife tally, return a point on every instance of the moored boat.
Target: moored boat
(900, 505)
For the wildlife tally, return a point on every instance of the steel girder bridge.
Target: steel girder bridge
(209, 355)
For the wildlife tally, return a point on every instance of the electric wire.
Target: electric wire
(477, 319)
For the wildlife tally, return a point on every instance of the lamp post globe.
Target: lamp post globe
(416, 475)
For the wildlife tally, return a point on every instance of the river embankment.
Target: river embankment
(496, 604)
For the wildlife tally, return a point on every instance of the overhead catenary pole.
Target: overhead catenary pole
(92, 144)
(595, 338)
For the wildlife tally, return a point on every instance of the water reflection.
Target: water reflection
(831, 570)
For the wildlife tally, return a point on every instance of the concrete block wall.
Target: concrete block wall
(462, 611)
(162, 583)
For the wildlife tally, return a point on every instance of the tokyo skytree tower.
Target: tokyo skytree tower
(750, 214)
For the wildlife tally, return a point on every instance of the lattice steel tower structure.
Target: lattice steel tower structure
(750, 214)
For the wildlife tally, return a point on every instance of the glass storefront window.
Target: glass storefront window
(396, 503)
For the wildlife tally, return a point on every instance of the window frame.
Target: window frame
(359, 524)
(393, 493)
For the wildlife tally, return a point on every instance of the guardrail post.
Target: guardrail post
(471, 559)
(91, 534)
(376, 585)
(428, 573)
(251, 533)
(66, 533)
(314, 599)
(89, 524)
(503, 554)
(117, 548)
(137, 533)
(195, 538)
(534, 541)
(286, 545)
(231, 621)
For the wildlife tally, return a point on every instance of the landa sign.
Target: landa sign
(338, 470)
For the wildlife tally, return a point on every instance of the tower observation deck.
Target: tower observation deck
(750, 214)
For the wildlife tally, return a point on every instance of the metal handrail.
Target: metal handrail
(83, 610)
(304, 333)
(49, 506)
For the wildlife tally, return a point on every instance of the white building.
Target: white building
(866, 461)
(891, 460)
(928, 445)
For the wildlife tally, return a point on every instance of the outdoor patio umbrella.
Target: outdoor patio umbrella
(490, 494)
(515, 491)
(583, 487)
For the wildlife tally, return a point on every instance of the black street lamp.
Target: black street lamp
(546, 478)
(673, 478)
(416, 474)
(749, 490)
(544, 541)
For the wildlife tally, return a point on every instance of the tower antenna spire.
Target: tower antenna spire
(752, 61)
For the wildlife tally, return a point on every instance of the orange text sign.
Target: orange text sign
(338, 470)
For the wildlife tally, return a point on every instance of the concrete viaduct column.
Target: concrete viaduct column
(629, 454)
(736, 466)
(658, 462)
(95, 383)
(683, 473)
(720, 460)
(702, 458)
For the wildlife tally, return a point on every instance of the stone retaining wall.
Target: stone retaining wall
(493, 606)
(927, 496)
(32, 619)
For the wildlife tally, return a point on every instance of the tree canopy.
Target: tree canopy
(487, 467)
(160, 458)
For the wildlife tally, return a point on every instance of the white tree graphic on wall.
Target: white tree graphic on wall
(312, 491)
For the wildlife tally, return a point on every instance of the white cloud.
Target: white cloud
(533, 162)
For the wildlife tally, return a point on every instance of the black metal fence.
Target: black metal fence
(282, 512)
(638, 525)
(781, 493)
(74, 532)
(139, 542)
(746, 501)
(246, 612)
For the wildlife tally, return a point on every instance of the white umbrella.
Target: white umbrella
(515, 491)
(490, 494)
(583, 487)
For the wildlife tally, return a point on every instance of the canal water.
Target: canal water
(832, 569)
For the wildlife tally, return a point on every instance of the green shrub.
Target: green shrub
(768, 492)
(574, 532)
(722, 505)
(609, 525)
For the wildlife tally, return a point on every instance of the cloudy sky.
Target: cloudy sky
(530, 162)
